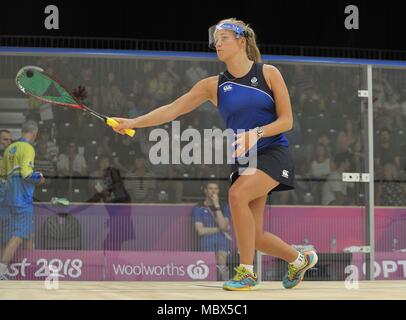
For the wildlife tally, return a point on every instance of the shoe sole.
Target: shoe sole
(257, 287)
(311, 265)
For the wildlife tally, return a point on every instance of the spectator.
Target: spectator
(212, 224)
(87, 78)
(94, 157)
(111, 79)
(114, 100)
(345, 138)
(357, 152)
(386, 151)
(141, 183)
(390, 192)
(334, 106)
(71, 163)
(108, 186)
(161, 87)
(137, 100)
(390, 116)
(47, 167)
(381, 89)
(303, 79)
(349, 93)
(320, 166)
(33, 111)
(126, 150)
(5, 140)
(312, 102)
(49, 150)
(325, 141)
(195, 73)
(304, 194)
(172, 72)
(136, 90)
(148, 71)
(334, 190)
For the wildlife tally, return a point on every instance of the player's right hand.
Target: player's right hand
(123, 123)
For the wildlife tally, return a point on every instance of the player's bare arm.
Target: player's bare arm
(202, 91)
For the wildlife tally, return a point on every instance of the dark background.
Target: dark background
(309, 23)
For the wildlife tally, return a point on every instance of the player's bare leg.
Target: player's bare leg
(8, 254)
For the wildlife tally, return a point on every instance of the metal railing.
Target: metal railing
(195, 46)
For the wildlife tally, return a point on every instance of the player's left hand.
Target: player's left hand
(244, 142)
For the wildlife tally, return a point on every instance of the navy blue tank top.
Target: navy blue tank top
(248, 102)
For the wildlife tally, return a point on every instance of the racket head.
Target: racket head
(34, 81)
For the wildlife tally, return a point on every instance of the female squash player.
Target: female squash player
(251, 96)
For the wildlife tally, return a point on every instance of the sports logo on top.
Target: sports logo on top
(228, 87)
(254, 81)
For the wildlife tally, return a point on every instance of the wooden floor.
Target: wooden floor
(199, 290)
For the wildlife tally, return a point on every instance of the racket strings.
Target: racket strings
(39, 85)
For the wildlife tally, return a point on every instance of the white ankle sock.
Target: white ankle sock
(3, 269)
(300, 261)
(248, 267)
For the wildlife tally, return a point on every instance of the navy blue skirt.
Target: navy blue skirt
(277, 162)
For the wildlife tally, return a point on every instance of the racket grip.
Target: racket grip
(113, 123)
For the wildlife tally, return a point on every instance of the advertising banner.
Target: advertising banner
(388, 266)
(74, 265)
(160, 266)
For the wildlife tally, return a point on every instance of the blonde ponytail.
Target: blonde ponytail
(253, 52)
